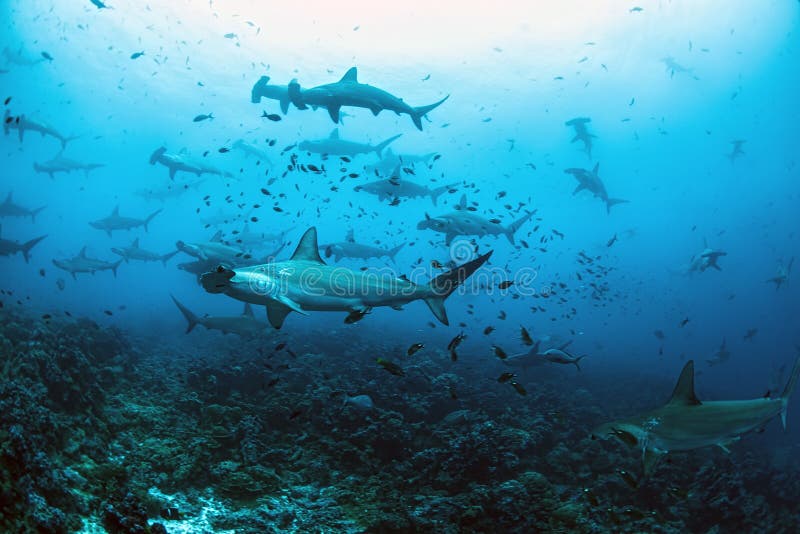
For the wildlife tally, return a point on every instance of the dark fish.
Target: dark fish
(391, 367)
(414, 348)
(612, 241)
(505, 377)
(452, 391)
(659, 334)
(518, 387)
(295, 414)
(488, 330)
(500, 353)
(203, 117)
(454, 343)
(684, 322)
(137, 55)
(47, 56)
(274, 117)
(46, 316)
(280, 346)
(628, 478)
(505, 284)
(436, 265)
(107, 312)
(356, 315)
(526, 337)
(224, 150)
(591, 497)
(272, 382)
(7, 101)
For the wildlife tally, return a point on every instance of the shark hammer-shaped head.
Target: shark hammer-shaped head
(217, 280)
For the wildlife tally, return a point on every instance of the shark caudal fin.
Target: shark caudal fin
(150, 218)
(379, 148)
(190, 317)
(513, 227)
(65, 140)
(114, 267)
(439, 191)
(577, 361)
(26, 247)
(35, 212)
(421, 111)
(443, 285)
(393, 251)
(611, 202)
(166, 257)
(790, 385)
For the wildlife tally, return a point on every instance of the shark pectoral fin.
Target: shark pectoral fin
(285, 105)
(333, 111)
(172, 171)
(292, 305)
(650, 460)
(276, 313)
(724, 444)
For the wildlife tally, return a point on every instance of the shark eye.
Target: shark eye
(625, 437)
(220, 269)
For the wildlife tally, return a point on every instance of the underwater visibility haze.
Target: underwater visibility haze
(419, 267)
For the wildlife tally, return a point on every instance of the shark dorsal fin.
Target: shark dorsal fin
(308, 249)
(462, 202)
(350, 76)
(115, 213)
(248, 310)
(334, 134)
(396, 172)
(135, 243)
(596, 168)
(350, 237)
(82, 253)
(217, 237)
(684, 389)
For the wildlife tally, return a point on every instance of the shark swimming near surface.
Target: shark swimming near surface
(135, 252)
(397, 187)
(350, 92)
(244, 325)
(66, 165)
(9, 209)
(9, 247)
(779, 279)
(263, 89)
(685, 423)
(463, 222)
(590, 181)
(84, 264)
(582, 133)
(305, 283)
(23, 123)
(182, 162)
(117, 222)
(336, 146)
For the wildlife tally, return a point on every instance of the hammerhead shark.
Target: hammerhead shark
(63, 164)
(707, 258)
(135, 252)
(262, 89)
(685, 423)
(244, 325)
(349, 92)
(339, 147)
(305, 283)
(10, 209)
(84, 264)
(780, 278)
(350, 249)
(215, 250)
(117, 222)
(736, 150)
(590, 181)
(397, 187)
(9, 247)
(582, 133)
(466, 223)
(181, 162)
(23, 124)
(390, 161)
(249, 149)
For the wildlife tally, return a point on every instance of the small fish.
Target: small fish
(488, 330)
(612, 241)
(223, 150)
(203, 117)
(518, 387)
(426, 78)
(505, 284)
(526, 337)
(280, 346)
(636, 9)
(391, 367)
(7, 100)
(47, 56)
(295, 414)
(452, 391)
(230, 35)
(454, 343)
(272, 382)
(684, 322)
(591, 497)
(274, 117)
(628, 478)
(137, 55)
(356, 315)
(505, 377)
(659, 334)
(414, 348)
(108, 312)
(500, 353)
(436, 265)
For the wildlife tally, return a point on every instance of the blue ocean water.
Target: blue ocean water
(668, 87)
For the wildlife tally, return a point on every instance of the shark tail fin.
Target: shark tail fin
(439, 191)
(150, 218)
(166, 257)
(379, 148)
(443, 285)
(514, 226)
(114, 267)
(611, 202)
(790, 385)
(65, 140)
(191, 318)
(35, 212)
(421, 111)
(577, 361)
(26, 247)
(393, 252)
